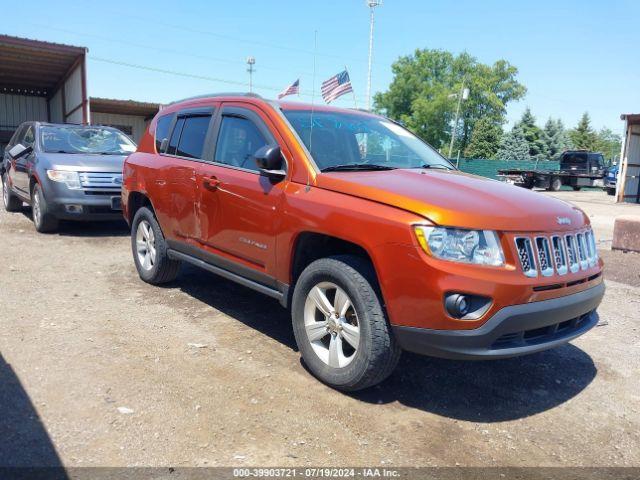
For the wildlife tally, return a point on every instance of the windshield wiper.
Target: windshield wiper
(355, 167)
(435, 166)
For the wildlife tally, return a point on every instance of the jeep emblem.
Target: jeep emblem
(563, 220)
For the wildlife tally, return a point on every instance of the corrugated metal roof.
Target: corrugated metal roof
(33, 66)
(631, 118)
(124, 107)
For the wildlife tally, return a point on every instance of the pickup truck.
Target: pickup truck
(372, 239)
(578, 168)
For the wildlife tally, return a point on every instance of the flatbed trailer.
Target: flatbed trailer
(578, 169)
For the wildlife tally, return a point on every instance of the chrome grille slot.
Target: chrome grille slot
(525, 254)
(559, 254)
(101, 181)
(544, 256)
(572, 253)
(592, 250)
(582, 251)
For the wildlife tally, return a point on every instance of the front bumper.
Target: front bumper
(512, 331)
(94, 207)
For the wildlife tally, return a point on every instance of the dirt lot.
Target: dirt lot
(98, 368)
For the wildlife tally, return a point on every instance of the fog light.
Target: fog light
(73, 208)
(464, 306)
(457, 305)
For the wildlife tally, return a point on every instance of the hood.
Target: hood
(83, 163)
(459, 200)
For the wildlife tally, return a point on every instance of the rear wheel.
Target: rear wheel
(576, 188)
(10, 201)
(43, 219)
(555, 184)
(340, 325)
(150, 249)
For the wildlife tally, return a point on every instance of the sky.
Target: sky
(573, 56)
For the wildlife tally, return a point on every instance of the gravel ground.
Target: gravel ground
(98, 368)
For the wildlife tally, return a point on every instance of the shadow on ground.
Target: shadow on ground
(485, 391)
(68, 228)
(24, 441)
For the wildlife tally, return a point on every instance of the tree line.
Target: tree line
(424, 96)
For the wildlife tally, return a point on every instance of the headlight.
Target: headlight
(71, 179)
(480, 247)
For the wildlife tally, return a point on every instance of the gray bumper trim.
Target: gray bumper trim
(479, 343)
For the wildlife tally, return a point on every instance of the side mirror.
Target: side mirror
(163, 145)
(19, 150)
(270, 162)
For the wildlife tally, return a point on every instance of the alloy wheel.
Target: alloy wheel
(5, 192)
(331, 324)
(37, 211)
(146, 245)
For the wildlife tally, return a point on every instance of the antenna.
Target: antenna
(372, 4)
(313, 100)
(251, 61)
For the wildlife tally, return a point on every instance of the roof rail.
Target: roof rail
(213, 95)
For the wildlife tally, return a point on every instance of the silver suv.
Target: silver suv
(69, 172)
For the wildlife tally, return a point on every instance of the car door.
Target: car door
(175, 186)
(238, 207)
(25, 164)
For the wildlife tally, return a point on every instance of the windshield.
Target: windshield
(87, 140)
(340, 140)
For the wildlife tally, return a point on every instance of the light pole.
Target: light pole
(372, 4)
(463, 95)
(251, 61)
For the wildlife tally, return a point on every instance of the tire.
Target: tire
(555, 184)
(149, 250)
(43, 219)
(611, 191)
(576, 188)
(9, 200)
(350, 282)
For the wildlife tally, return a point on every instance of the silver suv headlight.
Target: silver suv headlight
(480, 247)
(69, 178)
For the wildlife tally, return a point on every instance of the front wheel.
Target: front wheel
(10, 201)
(150, 249)
(43, 219)
(611, 191)
(340, 325)
(576, 188)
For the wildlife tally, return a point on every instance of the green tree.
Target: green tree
(534, 136)
(420, 94)
(513, 145)
(583, 137)
(485, 139)
(608, 143)
(555, 138)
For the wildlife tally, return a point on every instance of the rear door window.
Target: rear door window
(29, 138)
(194, 133)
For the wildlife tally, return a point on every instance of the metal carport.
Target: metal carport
(628, 188)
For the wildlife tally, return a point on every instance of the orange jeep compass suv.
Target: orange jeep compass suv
(373, 240)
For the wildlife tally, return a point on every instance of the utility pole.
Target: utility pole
(463, 95)
(251, 61)
(372, 4)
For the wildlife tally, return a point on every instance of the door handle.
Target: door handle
(211, 183)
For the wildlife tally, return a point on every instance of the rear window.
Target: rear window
(194, 132)
(162, 129)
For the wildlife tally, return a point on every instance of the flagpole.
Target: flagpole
(355, 102)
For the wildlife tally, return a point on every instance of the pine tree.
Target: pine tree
(583, 137)
(555, 138)
(485, 139)
(513, 145)
(534, 136)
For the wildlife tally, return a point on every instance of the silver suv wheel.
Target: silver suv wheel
(36, 210)
(5, 192)
(146, 245)
(331, 324)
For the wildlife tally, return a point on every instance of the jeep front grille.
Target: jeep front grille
(546, 256)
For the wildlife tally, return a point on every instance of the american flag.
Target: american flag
(336, 86)
(290, 90)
